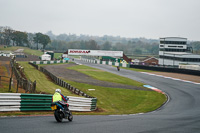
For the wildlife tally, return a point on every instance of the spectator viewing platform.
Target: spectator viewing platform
(175, 50)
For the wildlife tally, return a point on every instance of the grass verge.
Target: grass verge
(105, 76)
(57, 55)
(4, 81)
(26, 50)
(116, 100)
(121, 101)
(26, 113)
(138, 70)
(44, 84)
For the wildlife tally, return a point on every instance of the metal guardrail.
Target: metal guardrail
(41, 102)
(35, 102)
(49, 62)
(168, 69)
(106, 62)
(10, 101)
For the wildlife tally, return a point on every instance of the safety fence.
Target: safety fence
(154, 68)
(60, 82)
(49, 62)
(41, 102)
(190, 67)
(22, 81)
(106, 62)
(167, 69)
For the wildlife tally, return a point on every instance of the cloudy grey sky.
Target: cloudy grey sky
(125, 18)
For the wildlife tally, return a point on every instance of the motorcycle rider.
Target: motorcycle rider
(118, 68)
(59, 99)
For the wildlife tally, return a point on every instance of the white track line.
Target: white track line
(171, 78)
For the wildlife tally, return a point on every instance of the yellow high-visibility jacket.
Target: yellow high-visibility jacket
(57, 97)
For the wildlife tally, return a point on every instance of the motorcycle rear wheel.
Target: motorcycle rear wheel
(58, 116)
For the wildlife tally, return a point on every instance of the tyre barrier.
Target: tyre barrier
(41, 102)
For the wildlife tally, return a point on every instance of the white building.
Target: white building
(174, 51)
(45, 57)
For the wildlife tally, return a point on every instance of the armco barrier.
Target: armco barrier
(167, 69)
(10, 101)
(48, 62)
(35, 102)
(41, 102)
(106, 62)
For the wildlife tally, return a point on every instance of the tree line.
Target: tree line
(8, 36)
(128, 48)
(106, 42)
(63, 42)
(133, 46)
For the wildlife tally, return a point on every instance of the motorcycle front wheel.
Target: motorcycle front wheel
(58, 116)
(70, 117)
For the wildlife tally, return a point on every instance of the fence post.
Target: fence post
(25, 85)
(10, 84)
(66, 85)
(62, 83)
(20, 81)
(17, 85)
(28, 85)
(11, 62)
(34, 86)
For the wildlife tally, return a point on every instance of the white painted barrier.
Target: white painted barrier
(79, 103)
(190, 67)
(10, 101)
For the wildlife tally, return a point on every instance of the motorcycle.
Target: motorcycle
(60, 113)
(118, 68)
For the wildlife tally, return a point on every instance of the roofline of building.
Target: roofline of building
(173, 37)
(150, 58)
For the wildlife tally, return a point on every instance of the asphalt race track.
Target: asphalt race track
(181, 114)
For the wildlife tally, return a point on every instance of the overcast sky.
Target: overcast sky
(125, 18)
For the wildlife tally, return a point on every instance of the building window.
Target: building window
(172, 42)
(180, 59)
(172, 46)
(173, 50)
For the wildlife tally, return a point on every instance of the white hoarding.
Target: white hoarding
(95, 52)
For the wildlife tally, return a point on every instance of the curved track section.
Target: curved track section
(180, 114)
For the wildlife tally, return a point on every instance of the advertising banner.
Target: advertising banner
(95, 52)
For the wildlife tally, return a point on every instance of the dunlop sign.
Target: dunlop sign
(95, 52)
